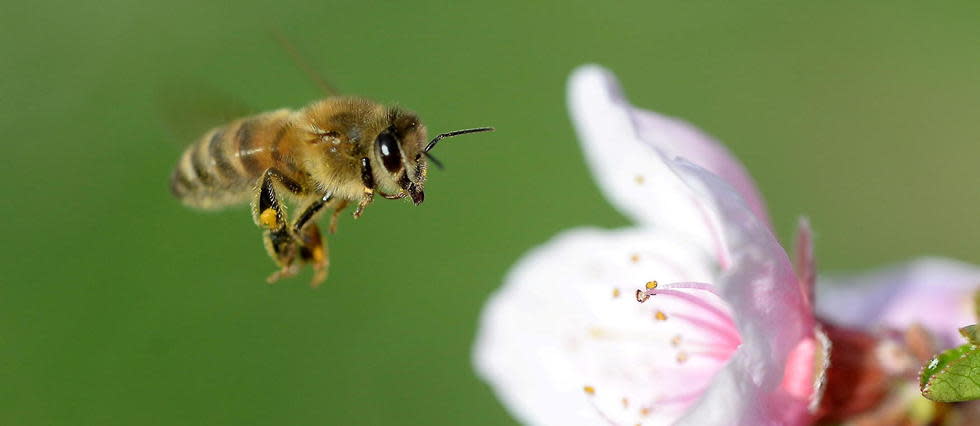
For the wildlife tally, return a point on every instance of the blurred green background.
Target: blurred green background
(119, 306)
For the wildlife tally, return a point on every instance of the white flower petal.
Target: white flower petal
(631, 173)
(608, 127)
(567, 319)
(560, 346)
(933, 292)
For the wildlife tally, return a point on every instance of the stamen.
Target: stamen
(722, 327)
(684, 398)
(720, 355)
(681, 357)
(615, 292)
(726, 333)
(626, 402)
(694, 300)
(692, 285)
(708, 346)
(675, 341)
(634, 258)
(589, 390)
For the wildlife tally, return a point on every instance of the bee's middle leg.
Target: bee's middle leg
(314, 251)
(312, 247)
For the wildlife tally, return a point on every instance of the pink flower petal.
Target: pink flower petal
(804, 259)
(597, 95)
(934, 292)
(771, 314)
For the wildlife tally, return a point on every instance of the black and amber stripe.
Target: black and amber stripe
(223, 166)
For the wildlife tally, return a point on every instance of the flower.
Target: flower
(932, 292)
(729, 336)
(727, 332)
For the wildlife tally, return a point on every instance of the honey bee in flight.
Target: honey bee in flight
(335, 151)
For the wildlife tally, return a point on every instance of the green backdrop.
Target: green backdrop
(119, 306)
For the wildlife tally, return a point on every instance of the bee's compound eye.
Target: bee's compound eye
(391, 156)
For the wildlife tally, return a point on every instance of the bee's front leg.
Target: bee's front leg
(367, 178)
(268, 212)
(366, 199)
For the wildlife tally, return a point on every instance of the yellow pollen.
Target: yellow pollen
(651, 285)
(681, 357)
(589, 390)
(268, 219)
(644, 411)
(635, 258)
(615, 292)
(626, 402)
(641, 296)
(676, 341)
(639, 179)
(660, 316)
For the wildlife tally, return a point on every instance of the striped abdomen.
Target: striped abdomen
(222, 167)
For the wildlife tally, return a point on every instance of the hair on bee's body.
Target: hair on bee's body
(335, 151)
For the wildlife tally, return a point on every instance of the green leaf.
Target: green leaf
(972, 334)
(953, 375)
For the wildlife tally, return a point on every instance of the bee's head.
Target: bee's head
(402, 151)
(399, 155)
(388, 142)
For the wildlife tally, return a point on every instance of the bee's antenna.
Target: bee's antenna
(435, 161)
(435, 140)
(327, 88)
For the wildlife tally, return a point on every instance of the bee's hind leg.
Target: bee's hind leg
(283, 250)
(268, 212)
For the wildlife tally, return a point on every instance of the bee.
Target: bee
(334, 152)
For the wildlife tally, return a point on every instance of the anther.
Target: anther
(660, 316)
(589, 390)
(651, 285)
(615, 292)
(641, 296)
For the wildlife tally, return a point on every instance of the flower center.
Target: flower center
(704, 338)
(720, 335)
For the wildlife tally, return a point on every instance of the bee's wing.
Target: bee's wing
(301, 62)
(188, 110)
